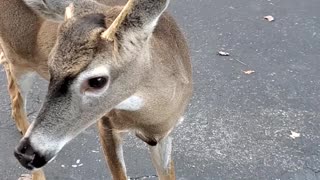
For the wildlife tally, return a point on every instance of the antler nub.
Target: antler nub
(109, 34)
(69, 11)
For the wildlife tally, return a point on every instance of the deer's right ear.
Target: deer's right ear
(136, 21)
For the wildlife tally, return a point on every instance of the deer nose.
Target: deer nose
(28, 156)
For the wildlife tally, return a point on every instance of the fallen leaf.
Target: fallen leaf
(294, 135)
(269, 18)
(222, 53)
(249, 72)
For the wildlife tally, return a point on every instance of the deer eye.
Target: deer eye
(94, 85)
(97, 82)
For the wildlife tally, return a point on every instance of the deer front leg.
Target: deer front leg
(111, 142)
(161, 159)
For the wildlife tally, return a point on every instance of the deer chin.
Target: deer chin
(36, 150)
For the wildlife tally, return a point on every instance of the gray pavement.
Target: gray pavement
(238, 126)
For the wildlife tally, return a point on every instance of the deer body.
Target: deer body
(26, 39)
(139, 82)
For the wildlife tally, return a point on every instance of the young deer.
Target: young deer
(130, 74)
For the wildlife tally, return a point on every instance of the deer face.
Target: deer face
(88, 77)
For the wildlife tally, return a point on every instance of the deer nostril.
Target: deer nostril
(25, 153)
(24, 157)
(25, 147)
(29, 157)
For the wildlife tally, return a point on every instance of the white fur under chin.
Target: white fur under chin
(133, 103)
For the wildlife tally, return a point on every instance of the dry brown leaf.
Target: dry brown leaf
(269, 18)
(249, 72)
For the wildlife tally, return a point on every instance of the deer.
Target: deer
(127, 69)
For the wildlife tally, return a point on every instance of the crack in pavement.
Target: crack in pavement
(313, 170)
(31, 113)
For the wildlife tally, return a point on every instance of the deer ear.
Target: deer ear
(43, 9)
(69, 12)
(138, 18)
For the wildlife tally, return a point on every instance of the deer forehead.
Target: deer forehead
(78, 44)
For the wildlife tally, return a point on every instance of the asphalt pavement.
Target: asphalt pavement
(255, 114)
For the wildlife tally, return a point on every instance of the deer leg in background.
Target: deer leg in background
(17, 105)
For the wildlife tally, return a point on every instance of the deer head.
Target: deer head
(92, 70)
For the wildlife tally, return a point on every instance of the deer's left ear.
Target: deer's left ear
(137, 20)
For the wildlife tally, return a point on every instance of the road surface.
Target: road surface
(238, 125)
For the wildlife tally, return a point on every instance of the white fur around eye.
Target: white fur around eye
(100, 71)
